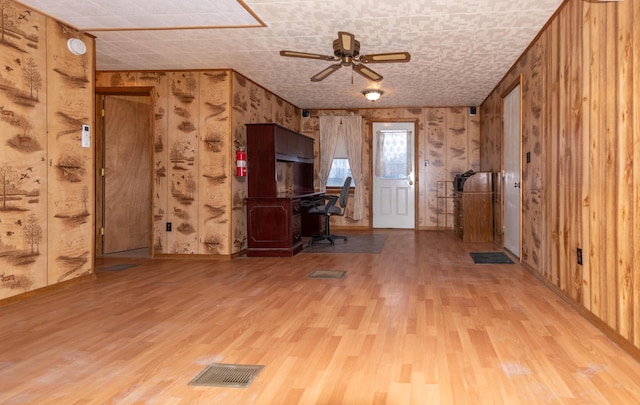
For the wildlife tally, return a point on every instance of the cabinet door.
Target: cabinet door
(268, 224)
(305, 147)
(282, 142)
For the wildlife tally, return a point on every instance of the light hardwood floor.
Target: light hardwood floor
(418, 324)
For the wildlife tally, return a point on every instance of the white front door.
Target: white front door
(393, 175)
(511, 158)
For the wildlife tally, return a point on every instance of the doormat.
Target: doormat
(227, 375)
(491, 258)
(119, 267)
(355, 243)
(326, 274)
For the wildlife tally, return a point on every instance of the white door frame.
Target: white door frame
(512, 168)
(408, 222)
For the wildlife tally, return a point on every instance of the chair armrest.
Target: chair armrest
(316, 201)
(322, 204)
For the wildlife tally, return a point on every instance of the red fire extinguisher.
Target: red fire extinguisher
(241, 163)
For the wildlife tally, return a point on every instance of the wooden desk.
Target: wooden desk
(276, 221)
(276, 225)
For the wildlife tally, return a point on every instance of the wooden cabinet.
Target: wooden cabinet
(274, 226)
(266, 145)
(473, 209)
(275, 220)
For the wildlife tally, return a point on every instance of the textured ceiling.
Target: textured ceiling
(460, 49)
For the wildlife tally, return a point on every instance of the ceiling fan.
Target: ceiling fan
(346, 51)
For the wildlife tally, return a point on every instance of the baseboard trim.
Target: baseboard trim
(194, 256)
(611, 333)
(46, 290)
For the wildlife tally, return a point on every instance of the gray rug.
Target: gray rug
(368, 243)
(119, 267)
(491, 258)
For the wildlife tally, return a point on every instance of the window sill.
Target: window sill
(336, 190)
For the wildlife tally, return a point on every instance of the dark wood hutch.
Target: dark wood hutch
(280, 177)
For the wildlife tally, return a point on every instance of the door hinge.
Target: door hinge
(102, 113)
(102, 172)
(101, 231)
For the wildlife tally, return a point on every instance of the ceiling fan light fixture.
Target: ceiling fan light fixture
(346, 51)
(372, 94)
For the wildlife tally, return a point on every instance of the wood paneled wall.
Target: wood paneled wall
(46, 179)
(581, 123)
(199, 119)
(252, 104)
(448, 137)
(191, 167)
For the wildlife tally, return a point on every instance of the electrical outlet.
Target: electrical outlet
(168, 226)
(579, 254)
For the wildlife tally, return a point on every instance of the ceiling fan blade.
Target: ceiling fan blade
(366, 72)
(386, 57)
(295, 54)
(326, 72)
(347, 43)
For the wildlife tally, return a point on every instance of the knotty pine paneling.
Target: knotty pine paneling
(23, 159)
(582, 187)
(46, 197)
(183, 170)
(160, 159)
(448, 137)
(199, 122)
(215, 162)
(251, 104)
(70, 178)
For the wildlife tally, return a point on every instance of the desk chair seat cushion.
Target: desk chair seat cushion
(325, 209)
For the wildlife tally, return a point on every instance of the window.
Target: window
(393, 157)
(340, 168)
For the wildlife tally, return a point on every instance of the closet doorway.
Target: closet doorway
(511, 158)
(123, 169)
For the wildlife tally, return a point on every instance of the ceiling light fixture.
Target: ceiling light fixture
(372, 94)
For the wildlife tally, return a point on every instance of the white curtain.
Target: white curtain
(329, 126)
(351, 127)
(394, 153)
(353, 134)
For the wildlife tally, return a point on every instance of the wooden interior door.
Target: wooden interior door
(127, 172)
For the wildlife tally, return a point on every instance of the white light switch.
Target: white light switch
(86, 136)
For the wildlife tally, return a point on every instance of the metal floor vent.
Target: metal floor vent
(227, 375)
(326, 274)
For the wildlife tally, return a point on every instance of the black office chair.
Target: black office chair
(328, 209)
